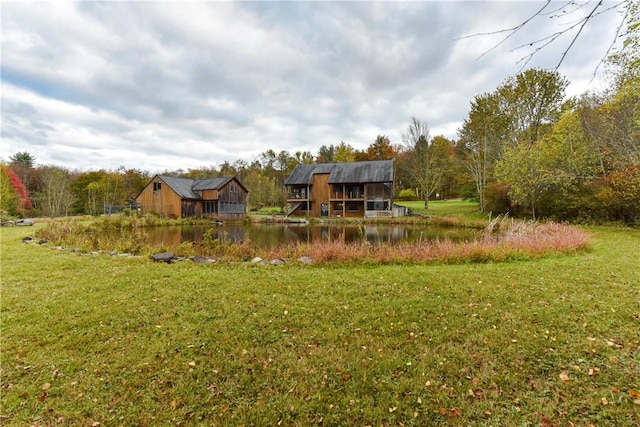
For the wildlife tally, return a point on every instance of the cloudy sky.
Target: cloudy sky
(179, 85)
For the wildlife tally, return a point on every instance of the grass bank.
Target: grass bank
(118, 341)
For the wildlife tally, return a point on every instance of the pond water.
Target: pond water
(272, 235)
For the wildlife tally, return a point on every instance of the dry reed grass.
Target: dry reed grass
(503, 239)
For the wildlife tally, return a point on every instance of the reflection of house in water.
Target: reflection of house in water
(269, 236)
(387, 234)
(348, 233)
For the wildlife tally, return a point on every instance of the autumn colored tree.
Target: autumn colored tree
(481, 141)
(344, 153)
(532, 101)
(444, 159)
(620, 194)
(22, 163)
(513, 118)
(326, 154)
(23, 200)
(381, 149)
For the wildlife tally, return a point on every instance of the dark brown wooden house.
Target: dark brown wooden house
(221, 198)
(358, 189)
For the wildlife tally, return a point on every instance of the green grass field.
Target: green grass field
(466, 211)
(100, 340)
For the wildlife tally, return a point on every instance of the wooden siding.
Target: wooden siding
(228, 202)
(163, 201)
(358, 189)
(320, 193)
(232, 201)
(209, 194)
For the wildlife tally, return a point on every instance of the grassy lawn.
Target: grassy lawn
(90, 339)
(463, 210)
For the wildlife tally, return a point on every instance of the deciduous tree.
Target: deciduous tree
(8, 198)
(420, 161)
(481, 140)
(55, 197)
(382, 149)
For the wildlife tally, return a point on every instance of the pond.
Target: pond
(270, 235)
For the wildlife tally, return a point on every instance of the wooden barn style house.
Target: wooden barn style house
(220, 198)
(359, 189)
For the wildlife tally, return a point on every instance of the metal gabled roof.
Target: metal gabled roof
(344, 173)
(361, 172)
(186, 188)
(211, 183)
(303, 174)
(182, 186)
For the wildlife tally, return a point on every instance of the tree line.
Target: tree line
(525, 149)
(51, 190)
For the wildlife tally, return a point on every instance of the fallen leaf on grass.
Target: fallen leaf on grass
(634, 393)
(546, 422)
(453, 412)
(564, 376)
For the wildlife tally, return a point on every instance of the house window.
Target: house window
(337, 191)
(353, 207)
(209, 207)
(354, 192)
(233, 188)
(378, 205)
(157, 186)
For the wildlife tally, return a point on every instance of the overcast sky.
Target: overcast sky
(180, 85)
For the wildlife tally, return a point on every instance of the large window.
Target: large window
(157, 186)
(378, 205)
(232, 208)
(353, 207)
(382, 190)
(354, 192)
(209, 207)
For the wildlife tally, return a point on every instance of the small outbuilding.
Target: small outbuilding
(220, 198)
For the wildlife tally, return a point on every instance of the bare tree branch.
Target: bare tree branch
(512, 30)
(576, 27)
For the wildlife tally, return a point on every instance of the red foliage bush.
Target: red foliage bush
(19, 189)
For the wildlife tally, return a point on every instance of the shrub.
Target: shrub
(496, 198)
(407, 194)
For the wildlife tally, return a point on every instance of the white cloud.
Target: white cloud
(169, 85)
